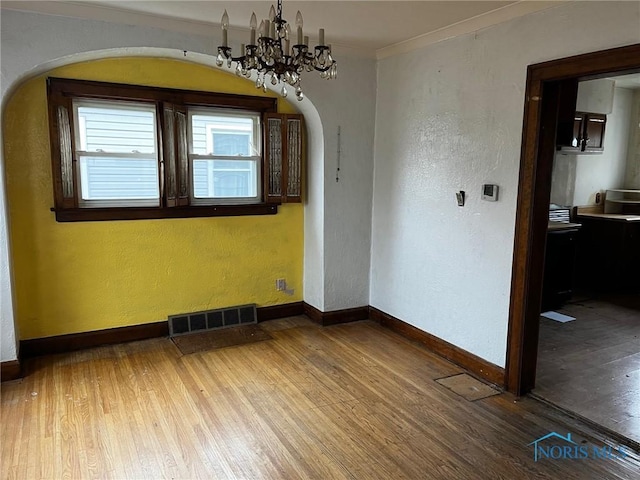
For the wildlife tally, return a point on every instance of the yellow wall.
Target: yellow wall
(76, 277)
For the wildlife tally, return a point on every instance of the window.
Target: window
(225, 151)
(117, 156)
(128, 152)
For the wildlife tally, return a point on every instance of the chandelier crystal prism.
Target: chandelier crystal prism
(271, 54)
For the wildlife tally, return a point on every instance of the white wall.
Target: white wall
(600, 172)
(449, 118)
(31, 40)
(632, 174)
(347, 202)
(563, 179)
(8, 335)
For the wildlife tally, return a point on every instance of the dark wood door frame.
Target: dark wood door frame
(534, 190)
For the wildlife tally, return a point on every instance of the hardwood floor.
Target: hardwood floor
(352, 401)
(591, 366)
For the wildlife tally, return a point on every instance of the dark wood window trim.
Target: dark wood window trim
(60, 94)
(147, 213)
(117, 91)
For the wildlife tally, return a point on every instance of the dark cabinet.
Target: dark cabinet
(587, 135)
(577, 132)
(559, 267)
(609, 255)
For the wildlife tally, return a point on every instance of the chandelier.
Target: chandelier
(273, 55)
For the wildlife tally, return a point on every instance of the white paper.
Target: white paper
(558, 317)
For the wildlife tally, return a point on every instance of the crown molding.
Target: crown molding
(470, 25)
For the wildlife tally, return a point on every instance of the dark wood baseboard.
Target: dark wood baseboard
(336, 316)
(274, 312)
(10, 370)
(79, 341)
(474, 364)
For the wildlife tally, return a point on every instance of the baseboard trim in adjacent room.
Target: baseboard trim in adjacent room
(470, 362)
(336, 316)
(10, 370)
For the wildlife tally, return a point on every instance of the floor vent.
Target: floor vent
(212, 319)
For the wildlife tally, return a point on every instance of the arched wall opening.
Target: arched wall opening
(42, 256)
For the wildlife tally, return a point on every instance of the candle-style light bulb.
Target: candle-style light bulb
(272, 13)
(253, 23)
(225, 20)
(225, 28)
(261, 29)
(299, 25)
(287, 39)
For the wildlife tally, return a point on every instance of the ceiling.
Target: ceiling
(365, 25)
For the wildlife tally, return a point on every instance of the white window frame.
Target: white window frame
(256, 157)
(80, 151)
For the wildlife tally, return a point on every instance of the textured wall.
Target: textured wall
(449, 118)
(563, 179)
(73, 277)
(346, 203)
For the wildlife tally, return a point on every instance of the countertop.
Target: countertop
(615, 217)
(556, 226)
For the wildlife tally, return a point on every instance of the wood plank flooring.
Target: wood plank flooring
(352, 401)
(591, 366)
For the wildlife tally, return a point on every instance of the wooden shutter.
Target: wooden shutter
(175, 155)
(63, 161)
(283, 154)
(295, 155)
(273, 155)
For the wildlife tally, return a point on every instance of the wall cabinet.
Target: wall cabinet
(587, 135)
(577, 132)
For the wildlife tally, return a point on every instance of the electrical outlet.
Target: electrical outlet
(281, 284)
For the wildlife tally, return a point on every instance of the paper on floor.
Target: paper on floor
(558, 317)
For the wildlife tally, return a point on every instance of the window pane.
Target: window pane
(116, 129)
(231, 143)
(224, 179)
(104, 178)
(224, 135)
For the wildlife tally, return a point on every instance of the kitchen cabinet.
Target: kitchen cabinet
(577, 132)
(559, 266)
(587, 135)
(608, 254)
